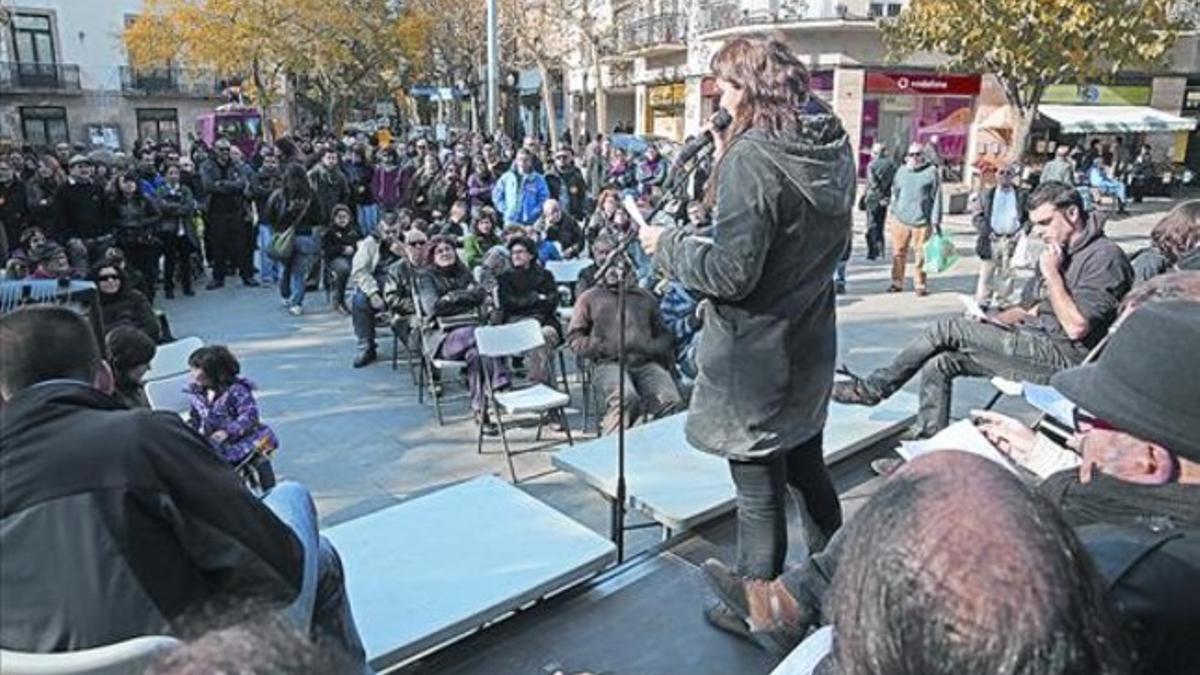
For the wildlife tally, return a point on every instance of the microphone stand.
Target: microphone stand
(621, 252)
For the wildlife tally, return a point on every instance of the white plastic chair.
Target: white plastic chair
(169, 394)
(122, 658)
(172, 358)
(516, 339)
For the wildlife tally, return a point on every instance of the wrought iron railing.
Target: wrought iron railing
(168, 82)
(42, 76)
(660, 29)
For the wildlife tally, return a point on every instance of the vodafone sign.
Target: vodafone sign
(922, 84)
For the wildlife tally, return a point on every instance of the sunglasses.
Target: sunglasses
(108, 277)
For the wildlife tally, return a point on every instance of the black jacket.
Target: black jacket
(16, 208)
(178, 208)
(767, 351)
(331, 188)
(570, 189)
(225, 186)
(81, 212)
(134, 219)
(335, 240)
(528, 292)
(260, 187)
(444, 293)
(117, 523)
(880, 173)
(129, 308)
(982, 220)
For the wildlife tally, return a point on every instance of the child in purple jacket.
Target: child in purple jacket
(224, 412)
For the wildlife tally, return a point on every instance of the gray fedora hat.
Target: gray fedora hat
(1146, 382)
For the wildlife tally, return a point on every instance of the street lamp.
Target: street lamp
(493, 70)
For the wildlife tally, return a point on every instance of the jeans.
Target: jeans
(902, 235)
(649, 390)
(961, 346)
(306, 254)
(762, 488)
(996, 276)
(876, 218)
(368, 217)
(362, 317)
(268, 269)
(338, 270)
(322, 607)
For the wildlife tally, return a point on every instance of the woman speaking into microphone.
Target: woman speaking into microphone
(782, 192)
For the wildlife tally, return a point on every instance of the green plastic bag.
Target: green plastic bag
(940, 254)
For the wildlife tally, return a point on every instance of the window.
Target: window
(33, 50)
(885, 9)
(44, 126)
(161, 124)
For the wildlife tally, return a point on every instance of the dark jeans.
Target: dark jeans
(144, 259)
(338, 270)
(177, 259)
(876, 218)
(762, 504)
(229, 252)
(960, 346)
(362, 317)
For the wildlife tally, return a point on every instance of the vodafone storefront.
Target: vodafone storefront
(900, 107)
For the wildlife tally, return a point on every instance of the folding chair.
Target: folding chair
(507, 341)
(403, 328)
(120, 658)
(172, 358)
(432, 367)
(169, 394)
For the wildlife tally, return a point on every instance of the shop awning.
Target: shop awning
(1109, 119)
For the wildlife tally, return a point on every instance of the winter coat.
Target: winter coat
(16, 208)
(121, 523)
(330, 189)
(519, 198)
(135, 220)
(982, 220)
(297, 213)
(570, 189)
(225, 185)
(260, 188)
(595, 321)
(444, 293)
(128, 307)
(178, 208)
(44, 204)
(390, 186)
(528, 292)
(880, 173)
(358, 177)
(335, 240)
(767, 351)
(566, 232)
(235, 412)
(82, 212)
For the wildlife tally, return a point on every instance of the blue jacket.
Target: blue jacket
(519, 198)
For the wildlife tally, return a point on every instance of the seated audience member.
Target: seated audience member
(1060, 169)
(482, 238)
(1174, 243)
(1138, 481)
(223, 410)
(49, 261)
(121, 305)
(374, 258)
(1002, 216)
(30, 239)
(338, 244)
(16, 269)
(121, 523)
(130, 352)
(445, 288)
(1065, 310)
(497, 259)
(956, 567)
(608, 203)
(603, 246)
(457, 224)
(684, 318)
(528, 291)
(1101, 180)
(559, 227)
(650, 390)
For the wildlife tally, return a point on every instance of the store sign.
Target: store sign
(1097, 94)
(922, 84)
(666, 96)
(1191, 99)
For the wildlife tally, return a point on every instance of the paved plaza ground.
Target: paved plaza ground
(360, 440)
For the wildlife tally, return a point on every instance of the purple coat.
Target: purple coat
(234, 412)
(390, 186)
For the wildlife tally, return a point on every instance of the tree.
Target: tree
(1030, 44)
(538, 33)
(596, 22)
(456, 39)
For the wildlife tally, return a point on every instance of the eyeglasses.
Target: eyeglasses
(108, 277)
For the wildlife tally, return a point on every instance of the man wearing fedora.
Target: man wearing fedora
(1064, 311)
(1133, 500)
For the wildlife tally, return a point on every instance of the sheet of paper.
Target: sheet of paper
(971, 307)
(961, 435)
(1048, 400)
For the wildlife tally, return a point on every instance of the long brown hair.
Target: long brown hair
(774, 84)
(1178, 233)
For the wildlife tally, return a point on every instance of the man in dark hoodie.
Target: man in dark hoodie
(783, 189)
(121, 523)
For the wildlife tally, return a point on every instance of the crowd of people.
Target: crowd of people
(434, 239)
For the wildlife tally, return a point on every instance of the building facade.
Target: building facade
(65, 77)
(663, 48)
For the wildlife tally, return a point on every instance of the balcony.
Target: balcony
(654, 34)
(40, 77)
(718, 15)
(168, 82)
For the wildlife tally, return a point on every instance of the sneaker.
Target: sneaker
(922, 292)
(296, 310)
(854, 391)
(365, 357)
(886, 466)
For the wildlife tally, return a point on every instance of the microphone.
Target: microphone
(720, 120)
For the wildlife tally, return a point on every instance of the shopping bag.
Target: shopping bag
(282, 245)
(1026, 252)
(940, 254)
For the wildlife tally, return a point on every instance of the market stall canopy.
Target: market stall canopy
(1114, 119)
